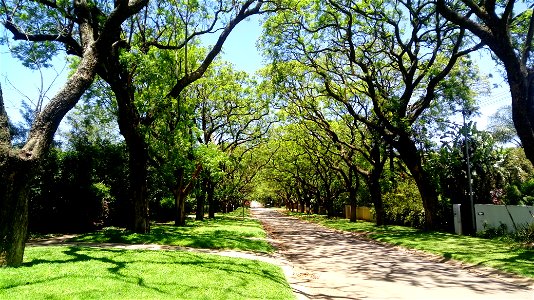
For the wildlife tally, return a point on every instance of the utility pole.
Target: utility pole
(469, 182)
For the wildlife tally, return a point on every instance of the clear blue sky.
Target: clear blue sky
(239, 49)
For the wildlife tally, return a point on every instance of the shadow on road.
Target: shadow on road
(333, 265)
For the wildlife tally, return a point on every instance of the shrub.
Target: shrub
(525, 234)
(403, 206)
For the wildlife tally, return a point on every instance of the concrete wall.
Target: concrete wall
(495, 215)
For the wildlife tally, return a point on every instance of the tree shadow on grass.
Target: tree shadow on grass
(194, 235)
(161, 272)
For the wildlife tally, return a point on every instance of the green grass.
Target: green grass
(89, 273)
(228, 231)
(498, 254)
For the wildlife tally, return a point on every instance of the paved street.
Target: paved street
(325, 264)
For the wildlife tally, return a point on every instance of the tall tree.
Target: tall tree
(507, 28)
(390, 56)
(171, 26)
(231, 113)
(83, 28)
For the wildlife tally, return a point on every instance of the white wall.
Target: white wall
(494, 215)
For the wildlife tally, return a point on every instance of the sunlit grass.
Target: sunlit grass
(499, 254)
(228, 231)
(92, 273)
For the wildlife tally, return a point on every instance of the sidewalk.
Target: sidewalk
(325, 264)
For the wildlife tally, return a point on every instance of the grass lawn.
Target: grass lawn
(499, 254)
(226, 231)
(59, 272)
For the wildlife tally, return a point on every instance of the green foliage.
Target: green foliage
(79, 189)
(524, 234)
(449, 166)
(403, 205)
(520, 195)
(167, 203)
(501, 126)
(91, 273)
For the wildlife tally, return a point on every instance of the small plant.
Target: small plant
(491, 232)
(525, 234)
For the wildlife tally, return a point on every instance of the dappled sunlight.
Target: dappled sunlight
(333, 264)
(81, 272)
(223, 232)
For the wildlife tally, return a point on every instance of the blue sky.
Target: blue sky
(20, 83)
(239, 49)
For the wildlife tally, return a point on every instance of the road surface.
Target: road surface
(325, 264)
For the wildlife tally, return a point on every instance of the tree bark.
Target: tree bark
(201, 199)
(373, 182)
(138, 158)
(494, 28)
(412, 159)
(129, 126)
(129, 121)
(211, 199)
(15, 165)
(14, 176)
(376, 196)
(353, 204)
(179, 218)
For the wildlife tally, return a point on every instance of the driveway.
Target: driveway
(325, 264)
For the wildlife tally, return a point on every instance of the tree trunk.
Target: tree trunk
(14, 176)
(138, 158)
(376, 196)
(374, 184)
(412, 159)
(329, 203)
(179, 200)
(353, 204)
(522, 91)
(201, 199)
(129, 125)
(211, 199)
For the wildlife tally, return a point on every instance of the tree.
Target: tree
(501, 126)
(390, 57)
(231, 113)
(170, 26)
(355, 143)
(44, 25)
(507, 29)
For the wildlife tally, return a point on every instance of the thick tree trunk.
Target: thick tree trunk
(376, 196)
(14, 176)
(129, 125)
(374, 184)
(522, 91)
(179, 219)
(412, 159)
(515, 58)
(329, 203)
(138, 158)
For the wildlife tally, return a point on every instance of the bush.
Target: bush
(403, 206)
(491, 232)
(525, 234)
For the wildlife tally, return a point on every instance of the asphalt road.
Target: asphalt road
(325, 264)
